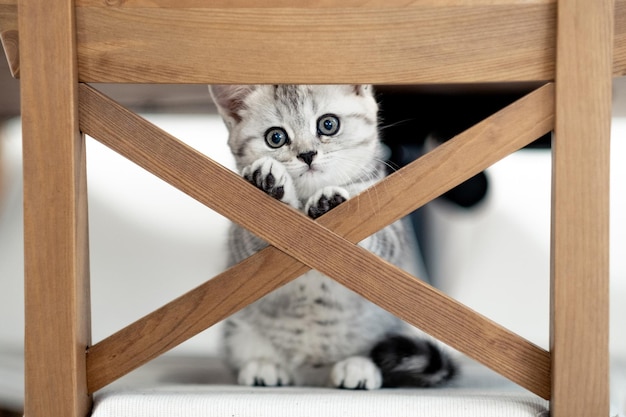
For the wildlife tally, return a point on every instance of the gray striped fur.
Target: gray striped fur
(312, 331)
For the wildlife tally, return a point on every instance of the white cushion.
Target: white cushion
(202, 387)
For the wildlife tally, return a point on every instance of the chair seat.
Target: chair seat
(206, 401)
(176, 385)
(199, 386)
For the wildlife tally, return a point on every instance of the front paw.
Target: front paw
(356, 372)
(272, 177)
(263, 373)
(325, 200)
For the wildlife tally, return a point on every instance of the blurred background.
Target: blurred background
(486, 243)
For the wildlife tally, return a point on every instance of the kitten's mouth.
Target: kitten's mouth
(312, 170)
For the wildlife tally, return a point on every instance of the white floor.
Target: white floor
(150, 243)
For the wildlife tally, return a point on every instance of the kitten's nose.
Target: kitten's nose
(307, 157)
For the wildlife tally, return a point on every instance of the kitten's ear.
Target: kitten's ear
(229, 100)
(363, 89)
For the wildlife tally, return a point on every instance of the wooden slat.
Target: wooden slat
(10, 44)
(619, 41)
(384, 284)
(272, 4)
(55, 215)
(455, 41)
(364, 42)
(380, 45)
(580, 210)
(8, 35)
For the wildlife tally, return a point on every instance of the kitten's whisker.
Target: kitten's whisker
(394, 124)
(393, 167)
(389, 164)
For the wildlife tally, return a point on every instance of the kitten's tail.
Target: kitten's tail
(412, 362)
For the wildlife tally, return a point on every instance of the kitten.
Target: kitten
(313, 147)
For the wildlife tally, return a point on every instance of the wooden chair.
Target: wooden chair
(65, 44)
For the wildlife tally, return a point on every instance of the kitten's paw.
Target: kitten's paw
(356, 372)
(325, 200)
(263, 373)
(272, 177)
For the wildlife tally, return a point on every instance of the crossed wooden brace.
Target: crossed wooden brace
(328, 244)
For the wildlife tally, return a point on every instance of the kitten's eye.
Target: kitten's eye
(328, 125)
(276, 137)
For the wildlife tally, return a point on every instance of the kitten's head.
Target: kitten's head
(323, 134)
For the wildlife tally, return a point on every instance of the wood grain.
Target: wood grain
(303, 4)
(55, 214)
(619, 41)
(429, 42)
(8, 15)
(382, 45)
(319, 248)
(580, 210)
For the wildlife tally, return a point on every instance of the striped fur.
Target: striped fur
(313, 331)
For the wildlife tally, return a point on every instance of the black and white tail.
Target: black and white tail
(412, 362)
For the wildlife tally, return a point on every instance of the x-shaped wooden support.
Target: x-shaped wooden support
(327, 245)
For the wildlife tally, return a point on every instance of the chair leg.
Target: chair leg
(580, 206)
(55, 213)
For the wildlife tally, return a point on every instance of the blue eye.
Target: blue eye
(275, 137)
(328, 125)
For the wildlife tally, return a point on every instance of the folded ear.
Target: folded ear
(229, 100)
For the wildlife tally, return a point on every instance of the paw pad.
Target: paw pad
(325, 200)
(271, 177)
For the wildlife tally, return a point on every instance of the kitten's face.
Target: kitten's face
(324, 135)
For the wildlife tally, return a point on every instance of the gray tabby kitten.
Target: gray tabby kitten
(313, 147)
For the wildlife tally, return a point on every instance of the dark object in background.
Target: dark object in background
(409, 117)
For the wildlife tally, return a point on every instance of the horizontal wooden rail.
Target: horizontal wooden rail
(378, 42)
(326, 251)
